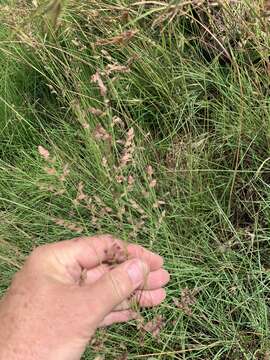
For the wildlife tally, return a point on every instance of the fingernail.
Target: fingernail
(136, 271)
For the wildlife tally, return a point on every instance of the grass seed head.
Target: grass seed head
(96, 78)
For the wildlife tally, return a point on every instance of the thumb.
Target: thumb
(117, 285)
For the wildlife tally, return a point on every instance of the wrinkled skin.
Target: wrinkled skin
(65, 291)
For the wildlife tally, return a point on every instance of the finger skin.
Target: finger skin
(86, 253)
(150, 298)
(48, 314)
(115, 286)
(96, 273)
(155, 261)
(143, 299)
(118, 317)
(155, 279)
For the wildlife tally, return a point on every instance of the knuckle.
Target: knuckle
(38, 253)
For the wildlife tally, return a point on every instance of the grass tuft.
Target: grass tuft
(148, 120)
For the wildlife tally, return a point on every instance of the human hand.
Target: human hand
(66, 290)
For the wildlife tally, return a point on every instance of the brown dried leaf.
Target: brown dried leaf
(96, 78)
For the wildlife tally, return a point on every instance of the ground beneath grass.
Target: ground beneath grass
(148, 120)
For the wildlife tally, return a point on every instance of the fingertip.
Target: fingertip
(166, 276)
(156, 279)
(159, 260)
(161, 296)
(150, 298)
(154, 261)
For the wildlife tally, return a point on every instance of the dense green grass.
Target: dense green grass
(197, 97)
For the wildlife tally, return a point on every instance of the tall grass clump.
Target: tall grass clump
(148, 120)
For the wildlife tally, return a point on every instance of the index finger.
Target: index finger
(90, 252)
(154, 261)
